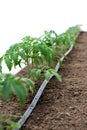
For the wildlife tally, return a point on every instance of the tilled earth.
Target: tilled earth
(62, 106)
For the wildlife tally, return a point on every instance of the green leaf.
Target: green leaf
(31, 89)
(20, 90)
(43, 49)
(36, 61)
(30, 84)
(60, 63)
(12, 125)
(15, 58)
(56, 75)
(3, 117)
(49, 54)
(22, 54)
(49, 57)
(33, 73)
(1, 127)
(6, 84)
(26, 48)
(0, 68)
(38, 74)
(47, 75)
(6, 89)
(8, 62)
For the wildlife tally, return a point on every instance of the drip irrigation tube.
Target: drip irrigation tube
(39, 93)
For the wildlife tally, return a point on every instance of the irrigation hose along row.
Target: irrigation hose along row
(39, 93)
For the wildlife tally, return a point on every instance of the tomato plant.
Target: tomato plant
(37, 54)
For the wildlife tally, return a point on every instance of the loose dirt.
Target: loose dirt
(62, 106)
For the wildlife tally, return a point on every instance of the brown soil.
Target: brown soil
(63, 106)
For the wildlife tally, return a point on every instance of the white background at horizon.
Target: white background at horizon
(19, 18)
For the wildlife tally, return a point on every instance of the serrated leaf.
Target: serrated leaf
(20, 91)
(56, 75)
(15, 58)
(48, 57)
(49, 54)
(6, 83)
(26, 48)
(6, 90)
(3, 116)
(12, 125)
(47, 75)
(43, 50)
(8, 62)
(38, 74)
(33, 73)
(31, 89)
(22, 54)
(30, 84)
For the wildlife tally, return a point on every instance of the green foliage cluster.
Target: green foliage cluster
(38, 55)
(8, 124)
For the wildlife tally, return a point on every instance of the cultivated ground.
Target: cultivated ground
(63, 106)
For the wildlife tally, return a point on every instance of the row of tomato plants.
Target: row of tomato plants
(38, 55)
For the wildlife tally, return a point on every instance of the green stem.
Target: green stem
(28, 69)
